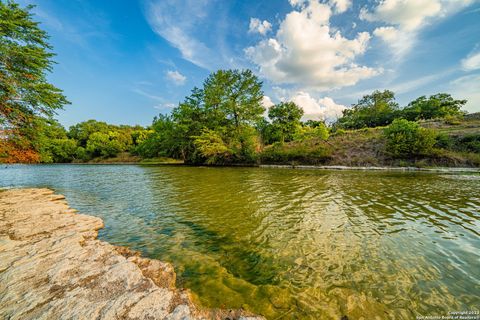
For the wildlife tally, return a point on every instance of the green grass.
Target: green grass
(367, 147)
(161, 160)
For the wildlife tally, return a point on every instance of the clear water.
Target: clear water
(290, 244)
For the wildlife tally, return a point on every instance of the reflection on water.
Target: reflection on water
(287, 243)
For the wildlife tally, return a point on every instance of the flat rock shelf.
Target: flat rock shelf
(52, 266)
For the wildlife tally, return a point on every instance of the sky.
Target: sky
(125, 61)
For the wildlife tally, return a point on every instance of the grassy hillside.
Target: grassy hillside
(458, 144)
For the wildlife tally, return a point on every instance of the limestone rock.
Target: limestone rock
(52, 266)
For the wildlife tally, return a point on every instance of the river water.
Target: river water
(290, 244)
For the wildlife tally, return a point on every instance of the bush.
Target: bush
(313, 152)
(470, 143)
(305, 133)
(406, 138)
(212, 147)
(444, 141)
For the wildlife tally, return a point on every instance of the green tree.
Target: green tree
(319, 131)
(406, 138)
(227, 107)
(25, 59)
(52, 143)
(102, 145)
(285, 118)
(82, 131)
(373, 110)
(212, 147)
(236, 94)
(162, 139)
(232, 100)
(439, 105)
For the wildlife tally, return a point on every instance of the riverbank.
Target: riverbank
(372, 168)
(53, 266)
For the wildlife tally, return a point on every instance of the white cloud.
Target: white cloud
(317, 109)
(341, 5)
(472, 62)
(262, 27)
(405, 18)
(267, 102)
(466, 87)
(178, 23)
(307, 52)
(176, 77)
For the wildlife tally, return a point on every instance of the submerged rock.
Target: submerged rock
(52, 266)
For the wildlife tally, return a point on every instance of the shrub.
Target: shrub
(406, 138)
(305, 133)
(444, 141)
(470, 143)
(313, 152)
(212, 147)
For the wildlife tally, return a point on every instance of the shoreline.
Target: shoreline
(53, 266)
(282, 166)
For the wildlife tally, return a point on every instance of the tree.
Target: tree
(373, 110)
(25, 59)
(406, 138)
(212, 147)
(439, 105)
(225, 110)
(52, 143)
(285, 118)
(103, 145)
(237, 95)
(82, 131)
(232, 99)
(162, 139)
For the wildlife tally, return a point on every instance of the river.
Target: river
(290, 244)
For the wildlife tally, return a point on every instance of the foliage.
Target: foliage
(319, 131)
(225, 109)
(307, 152)
(440, 105)
(99, 139)
(25, 60)
(406, 138)
(212, 147)
(285, 118)
(373, 110)
(380, 109)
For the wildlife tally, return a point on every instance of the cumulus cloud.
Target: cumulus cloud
(466, 87)
(341, 5)
(307, 52)
(258, 26)
(404, 19)
(267, 102)
(176, 77)
(317, 109)
(472, 62)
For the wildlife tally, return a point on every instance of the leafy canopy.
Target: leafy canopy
(373, 110)
(25, 59)
(212, 123)
(285, 118)
(440, 105)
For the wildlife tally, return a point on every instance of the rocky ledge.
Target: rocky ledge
(52, 266)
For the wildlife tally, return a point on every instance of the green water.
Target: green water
(291, 244)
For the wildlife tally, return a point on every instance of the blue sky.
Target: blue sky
(125, 61)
